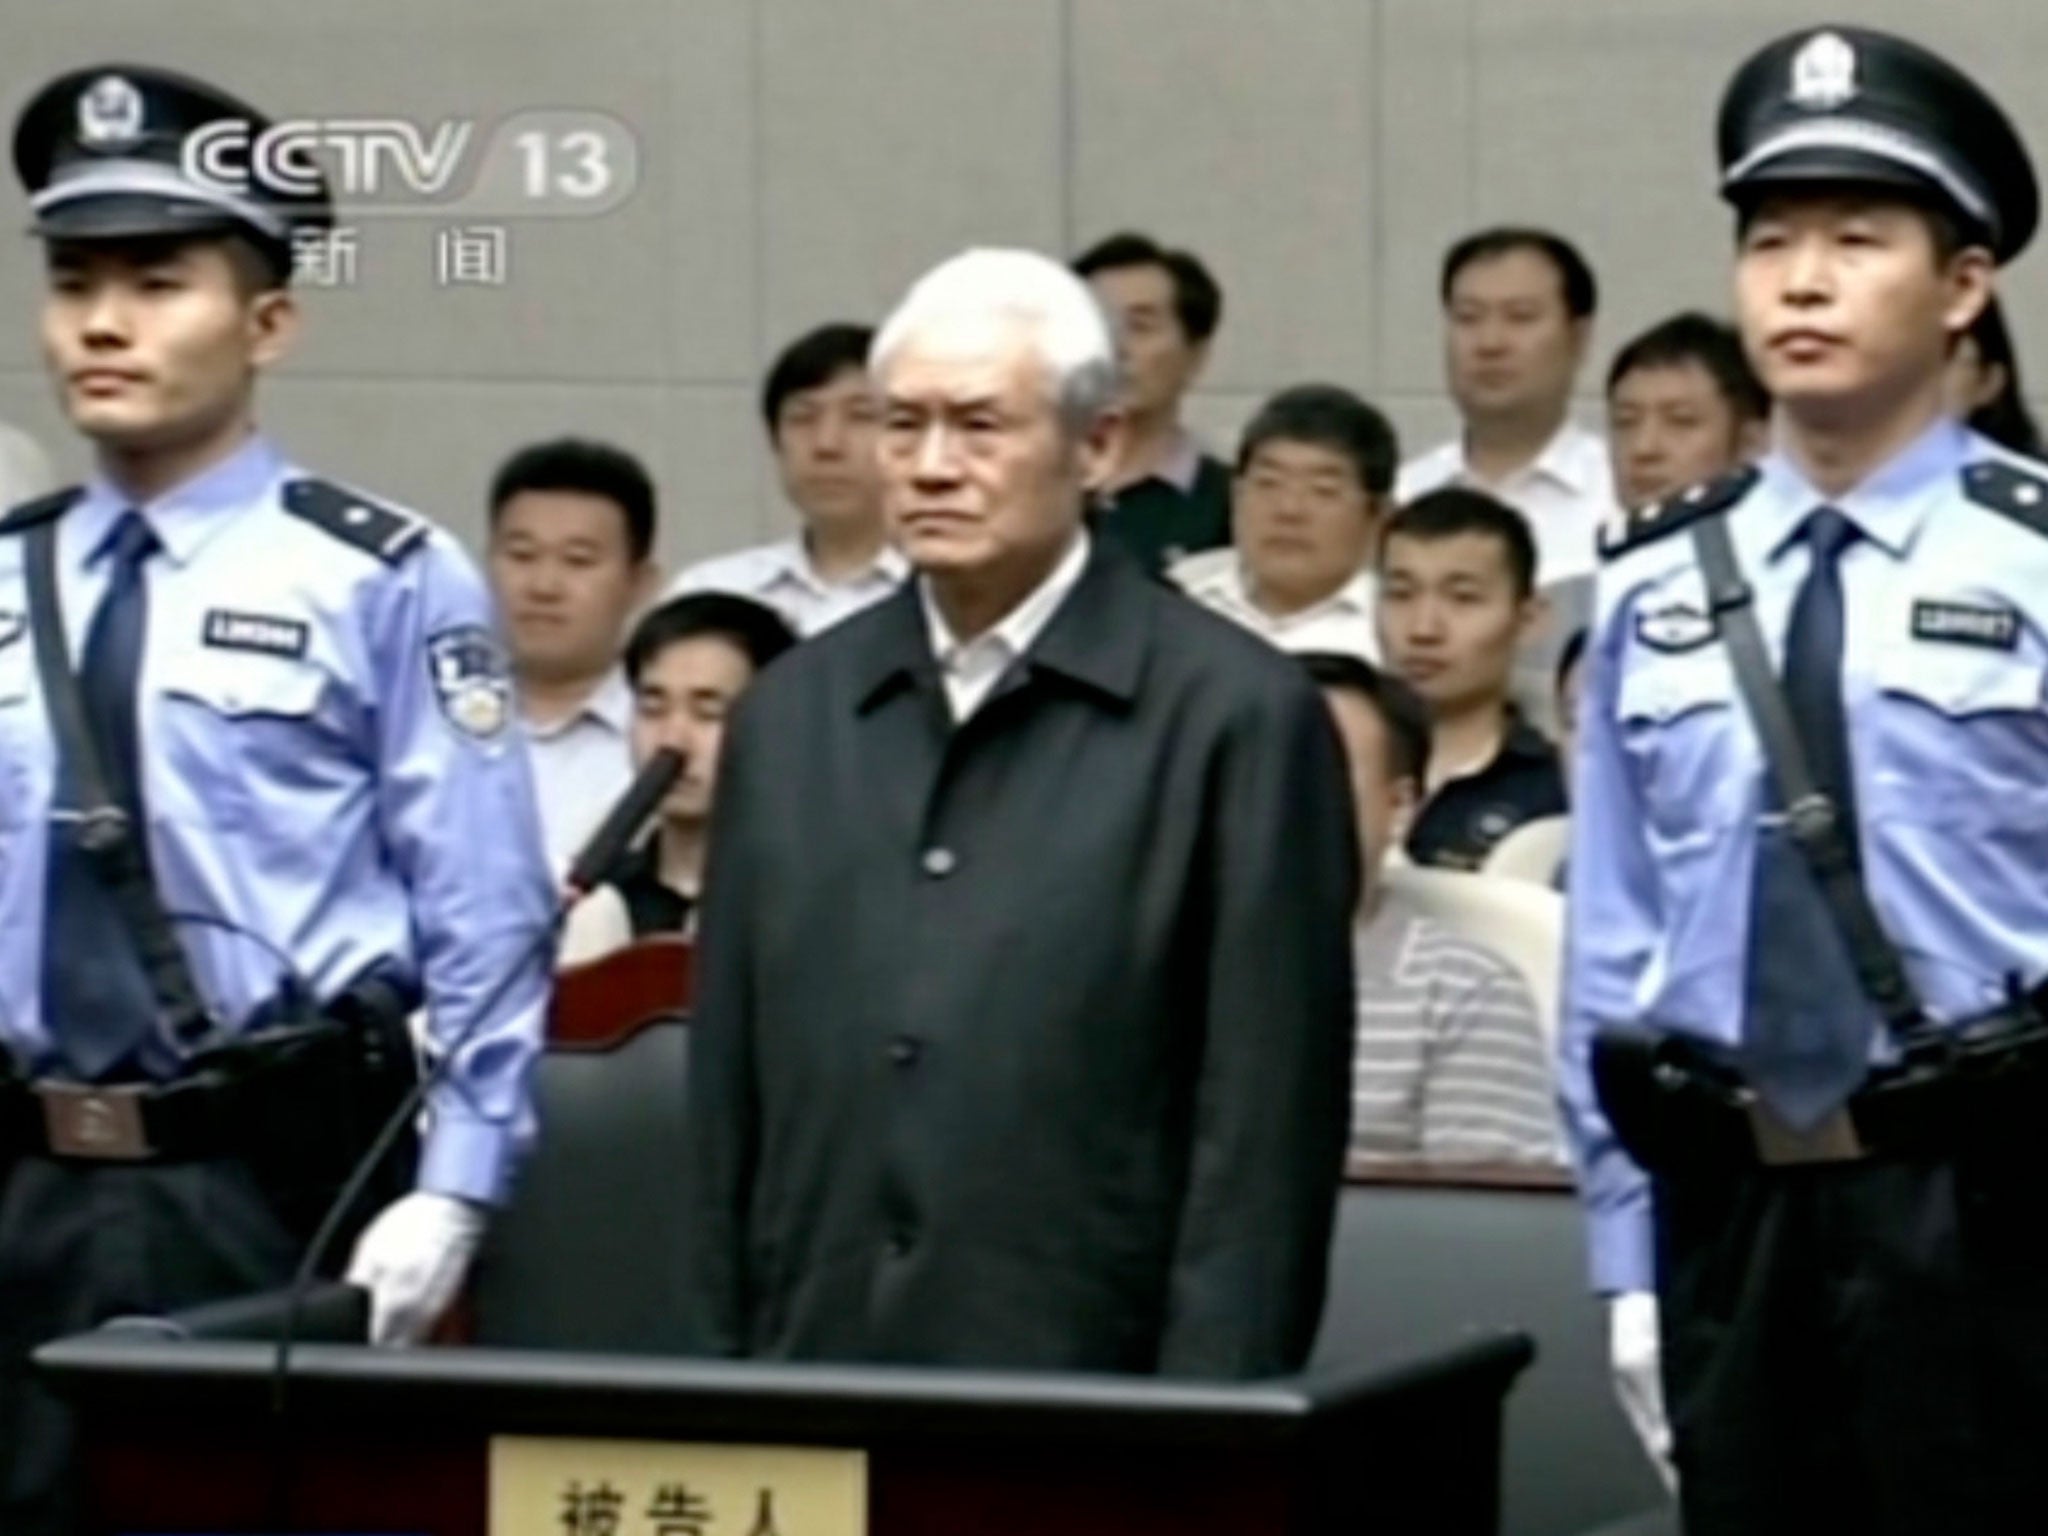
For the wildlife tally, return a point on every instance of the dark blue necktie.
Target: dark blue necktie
(1807, 1026)
(97, 1002)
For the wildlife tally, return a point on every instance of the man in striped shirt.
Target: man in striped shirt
(1451, 1064)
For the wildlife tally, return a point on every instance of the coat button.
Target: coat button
(940, 862)
(905, 1049)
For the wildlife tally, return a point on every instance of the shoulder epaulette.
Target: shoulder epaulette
(2006, 488)
(1631, 530)
(375, 529)
(42, 510)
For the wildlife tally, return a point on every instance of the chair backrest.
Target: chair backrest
(1534, 851)
(588, 1255)
(598, 1004)
(1520, 922)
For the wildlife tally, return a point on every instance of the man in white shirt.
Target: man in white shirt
(819, 407)
(24, 469)
(1518, 313)
(571, 562)
(1518, 318)
(1313, 475)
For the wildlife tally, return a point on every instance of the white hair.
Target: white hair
(1057, 308)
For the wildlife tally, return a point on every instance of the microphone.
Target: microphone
(608, 844)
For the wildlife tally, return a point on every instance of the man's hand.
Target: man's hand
(412, 1260)
(1638, 1379)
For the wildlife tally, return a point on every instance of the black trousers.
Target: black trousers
(81, 1243)
(1861, 1346)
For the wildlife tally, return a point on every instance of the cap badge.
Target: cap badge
(109, 113)
(1824, 73)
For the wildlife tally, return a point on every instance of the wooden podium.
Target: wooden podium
(179, 1434)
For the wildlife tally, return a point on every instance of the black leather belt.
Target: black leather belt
(120, 1122)
(205, 1114)
(1676, 1104)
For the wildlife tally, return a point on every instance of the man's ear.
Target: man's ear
(273, 325)
(646, 584)
(1971, 273)
(1582, 340)
(1102, 447)
(1534, 618)
(1753, 439)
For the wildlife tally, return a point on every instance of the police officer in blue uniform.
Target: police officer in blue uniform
(259, 794)
(1804, 1058)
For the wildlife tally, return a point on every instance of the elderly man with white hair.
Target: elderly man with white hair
(1022, 1035)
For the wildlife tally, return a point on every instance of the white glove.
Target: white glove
(411, 1260)
(1637, 1359)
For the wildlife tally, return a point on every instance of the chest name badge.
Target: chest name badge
(471, 680)
(1680, 627)
(259, 632)
(1994, 628)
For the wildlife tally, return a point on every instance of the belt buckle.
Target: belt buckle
(101, 1124)
(1778, 1145)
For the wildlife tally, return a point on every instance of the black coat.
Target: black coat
(1027, 1043)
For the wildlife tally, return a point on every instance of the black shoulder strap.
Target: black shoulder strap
(1812, 818)
(375, 529)
(26, 515)
(103, 829)
(1646, 525)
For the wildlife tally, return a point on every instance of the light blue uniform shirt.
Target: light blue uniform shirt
(1945, 674)
(328, 759)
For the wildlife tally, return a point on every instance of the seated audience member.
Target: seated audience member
(1983, 385)
(1165, 498)
(687, 663)
(822, 419)
(1313, 476)
(1683, 407)
(1451, 1063)
(1456, 599)
(571, 559)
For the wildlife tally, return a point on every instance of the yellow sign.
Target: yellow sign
(649, 1488)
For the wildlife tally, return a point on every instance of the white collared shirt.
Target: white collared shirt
(582, 763)
(782, 576)
(971, 669)
(1341, 622)
(1565, 493)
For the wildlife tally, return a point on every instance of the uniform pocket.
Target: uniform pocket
(1964, 734)
(239, 729)
(240, 688)
(1678, 725)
